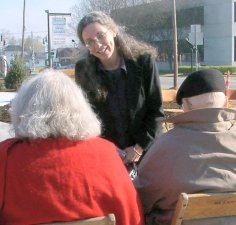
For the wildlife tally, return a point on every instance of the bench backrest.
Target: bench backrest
(168, 95)
(231, 94)
(204, 206)
(103, 220)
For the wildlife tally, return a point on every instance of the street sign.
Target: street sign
(195, 28)
(196, 36)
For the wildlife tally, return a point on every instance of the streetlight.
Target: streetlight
(49, 38)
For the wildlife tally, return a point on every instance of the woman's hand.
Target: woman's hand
(133, 154)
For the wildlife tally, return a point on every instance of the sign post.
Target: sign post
(196, 38)
(56, 28)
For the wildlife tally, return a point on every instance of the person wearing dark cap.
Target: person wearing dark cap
(197, 155)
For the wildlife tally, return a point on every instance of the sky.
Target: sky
(11, 15)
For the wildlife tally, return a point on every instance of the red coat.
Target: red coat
(61, 180)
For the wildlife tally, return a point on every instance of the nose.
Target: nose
(97, 44)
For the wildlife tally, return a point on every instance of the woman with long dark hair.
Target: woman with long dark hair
(120, 76)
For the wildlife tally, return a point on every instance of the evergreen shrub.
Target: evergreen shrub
(17, 74)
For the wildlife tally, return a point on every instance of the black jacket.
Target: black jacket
(143, 97)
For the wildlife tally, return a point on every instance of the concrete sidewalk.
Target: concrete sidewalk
(6, 97)
(5, 128)
(5, 131)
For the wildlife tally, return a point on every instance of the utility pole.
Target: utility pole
(175, 46)
(49, 36)
(196, 50)
(33, 54)
(1, 44)
(49, 40)
(23, 32)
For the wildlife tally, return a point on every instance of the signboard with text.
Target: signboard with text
(58, 32)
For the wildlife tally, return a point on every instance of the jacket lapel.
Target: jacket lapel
(134, 83)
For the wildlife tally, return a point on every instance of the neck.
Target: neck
(112, 63)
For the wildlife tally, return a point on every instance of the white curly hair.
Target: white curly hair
(51, 104)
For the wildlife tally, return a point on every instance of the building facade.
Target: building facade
(217, 20)
(219, 31)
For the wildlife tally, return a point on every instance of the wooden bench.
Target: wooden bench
(170, 106)
(231, 98)
(169, 101)
(208, 206)
(231, 94)
(168, 95)
(70, 72)
(103, 220)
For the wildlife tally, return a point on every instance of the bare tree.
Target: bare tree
(34, 44)
(149, 20)
(5, 36)
(85, 6)
(152, 23)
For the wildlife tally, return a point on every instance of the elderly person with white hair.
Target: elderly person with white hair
(197, 155)
(57, 168)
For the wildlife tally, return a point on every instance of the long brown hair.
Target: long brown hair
(126, 44)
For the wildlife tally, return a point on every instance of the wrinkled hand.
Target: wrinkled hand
(133, 154)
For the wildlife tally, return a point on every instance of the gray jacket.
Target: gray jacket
(197, 155)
